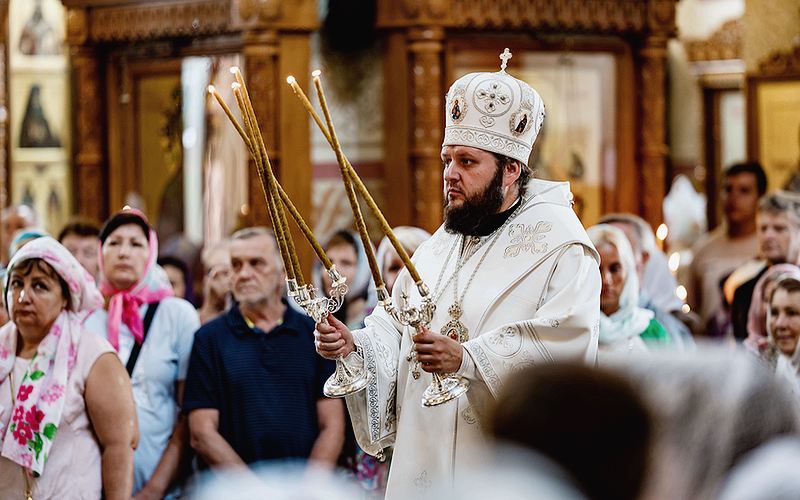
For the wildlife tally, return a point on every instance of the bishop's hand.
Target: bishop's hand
(334, 339)
(437, 353)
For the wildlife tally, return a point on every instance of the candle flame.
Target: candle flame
(290, 80)
(681, 292)
(662, 232)
(236, 85)
(235, 69)
(212, 89)
(316, 73)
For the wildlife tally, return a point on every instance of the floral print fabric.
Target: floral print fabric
(40, 393)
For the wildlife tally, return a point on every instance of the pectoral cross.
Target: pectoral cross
(505, 56)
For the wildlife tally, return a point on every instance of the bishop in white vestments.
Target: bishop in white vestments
(515, 282)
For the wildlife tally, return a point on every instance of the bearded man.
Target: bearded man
(514, 278)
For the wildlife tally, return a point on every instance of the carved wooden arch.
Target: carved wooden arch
(272, 35)
(417, 34)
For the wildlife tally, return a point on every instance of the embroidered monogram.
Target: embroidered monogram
(385, 355)
(503, 337)
(487, 121)
(525, 238)
(505, 342)
(421, 482)
(469, 415)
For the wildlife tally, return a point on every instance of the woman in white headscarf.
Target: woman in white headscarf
(624, 326)
(346, 251)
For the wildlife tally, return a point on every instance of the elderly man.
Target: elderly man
(778, 230)
(254, 387)
(514, 278)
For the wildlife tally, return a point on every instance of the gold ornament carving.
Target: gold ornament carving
(426, 50)
(662, 16)
(572, 15)
(77, 26)
(135, 22)
(653, 147)
(411, 8)
(725, 43)
(266, 10)
(89, 133)
(781, 63)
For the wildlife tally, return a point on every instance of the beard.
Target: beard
(477, 209)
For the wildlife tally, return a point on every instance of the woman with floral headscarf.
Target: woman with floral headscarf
(152, 332)
(67, 418)
(624, 326)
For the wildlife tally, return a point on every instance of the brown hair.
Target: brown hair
(79, 227)
(590, 421)
(26, 266)
(525, 172)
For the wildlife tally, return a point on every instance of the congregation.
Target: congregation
(570, 370)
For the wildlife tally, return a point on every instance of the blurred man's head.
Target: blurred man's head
(590, 421)
(258, 276)
(742, 185)
(13, 219)
(778, 226)
(82, 239)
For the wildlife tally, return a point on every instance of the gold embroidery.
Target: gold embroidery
(526, 238)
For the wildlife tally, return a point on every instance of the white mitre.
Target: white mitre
(494, 112)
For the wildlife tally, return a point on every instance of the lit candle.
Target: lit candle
(348, 185)
(213, 91)
(362, 189)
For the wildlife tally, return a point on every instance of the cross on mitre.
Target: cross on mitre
(505, 56)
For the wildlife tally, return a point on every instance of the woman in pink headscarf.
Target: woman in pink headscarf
(67, 418)
(152, 332)
(757, 315)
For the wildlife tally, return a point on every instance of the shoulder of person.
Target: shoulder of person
(217, 326)
(179, 310)
(708, 240)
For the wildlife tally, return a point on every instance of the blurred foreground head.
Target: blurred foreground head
(589, 421)
(710, 407)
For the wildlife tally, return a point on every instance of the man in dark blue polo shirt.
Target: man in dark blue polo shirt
(254, 387)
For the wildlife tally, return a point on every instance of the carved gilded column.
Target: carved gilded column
(276, 43)
(261, 71)
(426, 47)
(89, 112)
(653, 132)
(654, 150)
